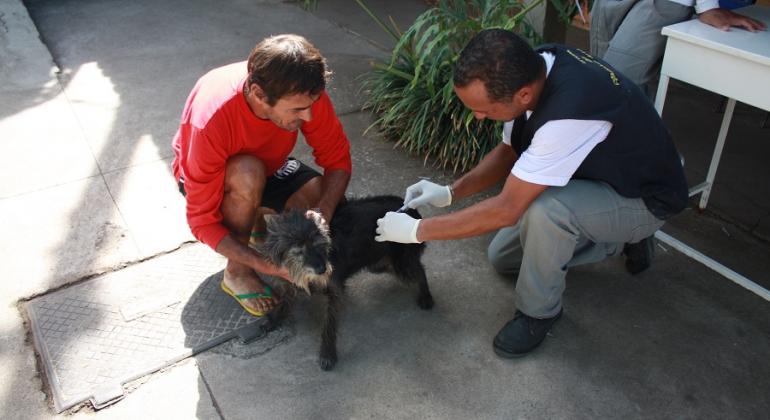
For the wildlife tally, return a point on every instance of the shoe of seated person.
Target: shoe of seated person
(522, 334)
(639, 255)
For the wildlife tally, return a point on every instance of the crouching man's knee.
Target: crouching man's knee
(494, 256)
(504, 252)
(245, 178)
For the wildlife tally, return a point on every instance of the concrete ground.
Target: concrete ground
(91, 92)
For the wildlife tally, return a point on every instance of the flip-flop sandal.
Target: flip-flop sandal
(255, 238)
(239, 298)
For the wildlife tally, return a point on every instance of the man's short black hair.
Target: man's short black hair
(500, 59)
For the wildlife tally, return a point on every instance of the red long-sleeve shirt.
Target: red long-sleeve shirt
(217, 123)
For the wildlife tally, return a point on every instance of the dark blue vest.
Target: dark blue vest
(638, 158)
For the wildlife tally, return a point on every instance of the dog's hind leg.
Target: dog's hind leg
(328, 354)
(409, 269)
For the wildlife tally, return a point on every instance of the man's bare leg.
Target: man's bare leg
(244, 184)
(307, 197)
(260, 227)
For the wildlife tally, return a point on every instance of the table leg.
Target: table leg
(710, 263)
(660, 96)
(728, 116)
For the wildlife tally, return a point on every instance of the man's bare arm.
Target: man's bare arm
(504, 209)
(493, 168)
(241, 253)
(333, 186)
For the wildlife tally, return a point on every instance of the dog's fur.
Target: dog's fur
(323, 258)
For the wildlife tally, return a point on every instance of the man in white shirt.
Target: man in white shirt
(590, 172)
(626, 33)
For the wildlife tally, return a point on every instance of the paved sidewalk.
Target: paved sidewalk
(90, 95)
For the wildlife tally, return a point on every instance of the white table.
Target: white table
(735, 64)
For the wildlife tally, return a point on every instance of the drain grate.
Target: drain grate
(95, 336)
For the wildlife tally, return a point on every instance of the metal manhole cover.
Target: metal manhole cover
(95, 336)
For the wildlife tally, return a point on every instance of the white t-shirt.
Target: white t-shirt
(558, 147)
(700, 5)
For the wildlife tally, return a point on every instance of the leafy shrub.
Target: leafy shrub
(309, 4)
(412, 94)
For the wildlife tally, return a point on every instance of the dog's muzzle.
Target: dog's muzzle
(319, 269)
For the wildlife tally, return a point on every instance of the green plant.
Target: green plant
(412, 94)
(309, 4)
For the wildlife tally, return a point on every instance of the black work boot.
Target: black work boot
(522, 334)
(639, 255)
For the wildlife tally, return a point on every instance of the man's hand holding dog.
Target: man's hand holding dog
(397, 227)
(260, 265)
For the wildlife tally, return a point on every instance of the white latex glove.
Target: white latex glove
(426, 192)
(397, 227)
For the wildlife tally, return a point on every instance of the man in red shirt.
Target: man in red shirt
(238, 127)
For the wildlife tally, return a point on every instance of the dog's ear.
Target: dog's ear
(270, 220)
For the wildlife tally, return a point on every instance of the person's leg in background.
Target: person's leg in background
(606, 17)
(636, 47)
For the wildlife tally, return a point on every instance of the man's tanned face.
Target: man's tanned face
(476, 98)
(291, 111)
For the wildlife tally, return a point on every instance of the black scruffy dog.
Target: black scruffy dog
(323, 258)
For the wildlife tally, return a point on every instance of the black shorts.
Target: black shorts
(280, 186)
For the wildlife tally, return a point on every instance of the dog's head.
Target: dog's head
(299, 241)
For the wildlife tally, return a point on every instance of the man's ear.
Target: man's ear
(256, 90)
(525, 95)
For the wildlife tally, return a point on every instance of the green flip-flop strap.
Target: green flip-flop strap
(268, 293)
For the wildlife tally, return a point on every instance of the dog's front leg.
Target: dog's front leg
(328, 355)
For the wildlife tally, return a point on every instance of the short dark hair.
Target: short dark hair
(286, 65)
(500, 59)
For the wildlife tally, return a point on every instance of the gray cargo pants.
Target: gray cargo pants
(582, 222)
(626, 34)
